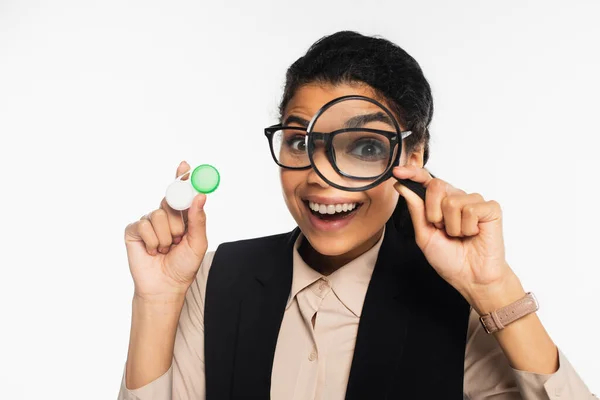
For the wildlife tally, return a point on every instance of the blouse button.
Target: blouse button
(313, 355)
(323, 285)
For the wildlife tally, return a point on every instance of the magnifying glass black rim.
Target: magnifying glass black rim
(329, 152)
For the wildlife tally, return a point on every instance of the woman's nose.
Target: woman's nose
(315, 179)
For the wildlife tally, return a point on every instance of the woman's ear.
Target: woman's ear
(416, 157)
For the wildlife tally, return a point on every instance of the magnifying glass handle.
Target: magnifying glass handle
(416, 187)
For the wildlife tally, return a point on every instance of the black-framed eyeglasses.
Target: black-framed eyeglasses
(352, 143)
(346, 149)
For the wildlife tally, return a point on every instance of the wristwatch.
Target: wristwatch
(499, 319)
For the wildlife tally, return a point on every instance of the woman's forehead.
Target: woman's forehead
(308, 99)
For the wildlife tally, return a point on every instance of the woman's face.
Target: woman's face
(346, 233)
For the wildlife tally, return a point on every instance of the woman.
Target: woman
(377, 294)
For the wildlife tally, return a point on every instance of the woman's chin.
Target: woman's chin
(331, 246)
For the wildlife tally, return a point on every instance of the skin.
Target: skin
(459, 233)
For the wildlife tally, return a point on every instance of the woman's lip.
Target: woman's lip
(332, 225)
(330, 200)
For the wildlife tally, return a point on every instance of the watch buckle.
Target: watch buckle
(484, 326)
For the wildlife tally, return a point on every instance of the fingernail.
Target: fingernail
(177, 239)
(164, 251)
(153, 252)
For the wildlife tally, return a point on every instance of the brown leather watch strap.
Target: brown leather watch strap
(497, 320)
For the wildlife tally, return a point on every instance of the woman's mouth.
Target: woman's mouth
(331, 216)
(330, 212)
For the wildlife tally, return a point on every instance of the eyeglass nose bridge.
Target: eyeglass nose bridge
(312, 138)
(318, 136)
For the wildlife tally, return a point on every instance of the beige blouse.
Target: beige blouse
(316, 343)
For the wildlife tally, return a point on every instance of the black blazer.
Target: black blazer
(411, 336)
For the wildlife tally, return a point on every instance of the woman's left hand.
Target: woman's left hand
(461, 236)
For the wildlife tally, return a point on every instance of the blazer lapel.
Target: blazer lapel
(384, 321)
(261, 313)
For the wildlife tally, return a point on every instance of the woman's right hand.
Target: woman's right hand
(165, 247)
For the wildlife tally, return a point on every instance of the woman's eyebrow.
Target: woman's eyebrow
(354, 122)
(297, 120)
(361, 120)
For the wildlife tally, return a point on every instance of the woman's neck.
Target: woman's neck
(327, 265)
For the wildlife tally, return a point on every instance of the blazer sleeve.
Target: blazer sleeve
(488, 374)
(184, 380)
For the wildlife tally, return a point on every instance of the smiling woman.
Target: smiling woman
(380, 291)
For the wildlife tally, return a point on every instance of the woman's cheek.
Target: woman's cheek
(290, 182)
(383, 200)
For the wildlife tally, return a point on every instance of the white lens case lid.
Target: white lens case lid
(180, 194)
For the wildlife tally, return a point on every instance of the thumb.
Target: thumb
(416, 208)
(197, 223)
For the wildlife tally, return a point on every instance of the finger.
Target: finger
(469, 223)
(452, 209)
(477, 213)
(415, 204)
(142, 230)
(182, 169)
(175, 219)
(416, 207)
(160, 224)
(437, 190)
(481, 212)
(413, 173)
(196, 228)
(419, 175)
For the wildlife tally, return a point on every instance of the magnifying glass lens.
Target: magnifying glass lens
(353, 143)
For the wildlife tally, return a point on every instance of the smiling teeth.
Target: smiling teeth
(331, 208)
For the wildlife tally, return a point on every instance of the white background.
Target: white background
(100, 101)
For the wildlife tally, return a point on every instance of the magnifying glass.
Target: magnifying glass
(204, 179)
(354, 142)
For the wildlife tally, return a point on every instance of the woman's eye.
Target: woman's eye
(368, 150)
(297, 143)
